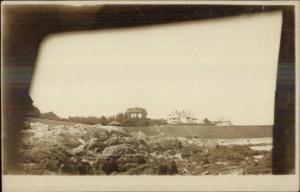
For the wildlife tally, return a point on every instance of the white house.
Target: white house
(182, 117)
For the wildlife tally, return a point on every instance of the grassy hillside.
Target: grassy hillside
(208, 132)
(49, 122)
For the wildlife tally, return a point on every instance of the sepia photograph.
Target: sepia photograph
(149, 89)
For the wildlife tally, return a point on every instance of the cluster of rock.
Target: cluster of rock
(83, 149)
(102, 150)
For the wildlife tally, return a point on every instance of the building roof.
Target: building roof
(114, 122)
(136, 110)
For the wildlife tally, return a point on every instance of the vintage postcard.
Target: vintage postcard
(150, 95)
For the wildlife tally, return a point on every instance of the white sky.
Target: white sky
(214, 68)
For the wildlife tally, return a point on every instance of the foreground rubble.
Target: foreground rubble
(107, 150)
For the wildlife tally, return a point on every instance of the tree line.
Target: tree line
(121, 118)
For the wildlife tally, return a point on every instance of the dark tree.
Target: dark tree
(50, 116)
(207, 122)
(103, 120)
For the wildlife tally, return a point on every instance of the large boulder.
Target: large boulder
(166, 167)
(126, 166)
(67, 140)
(132, 158)
(101, 134)
(117, 150)
(38, 125)
(75, 166)
(140, 145)
(170, 143)
(78, 150)
(139, 136)
(108, 164)
(95, 144)
(114, 140)
(30, 168)
(210, 145)
(113, 130)
(119, 132)
(50, 164)
(37, 153)
(154, 146)
(143, 169)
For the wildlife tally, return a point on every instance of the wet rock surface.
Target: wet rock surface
(106, 150)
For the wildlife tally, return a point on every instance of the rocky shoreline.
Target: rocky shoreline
(107, 150)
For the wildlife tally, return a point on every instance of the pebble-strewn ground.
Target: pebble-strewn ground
(102, 150)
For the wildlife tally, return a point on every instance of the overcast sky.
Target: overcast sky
(215, 68)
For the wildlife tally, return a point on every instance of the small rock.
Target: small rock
(117, 150)
(166, 167)
(108, 165)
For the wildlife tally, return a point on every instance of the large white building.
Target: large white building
(182, 117)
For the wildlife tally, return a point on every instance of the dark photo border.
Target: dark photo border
(25, 27)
